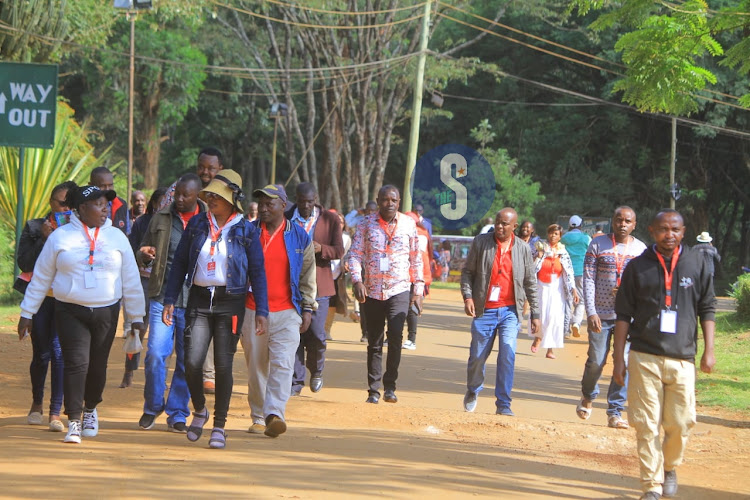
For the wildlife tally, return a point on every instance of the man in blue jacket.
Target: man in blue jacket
(290, 271)
(661, 295)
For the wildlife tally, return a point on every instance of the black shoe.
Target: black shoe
(147, 421)
(669, 488)
(373, 398)
(316, 383)
(179, 427)
(650, 495)
(390, 396)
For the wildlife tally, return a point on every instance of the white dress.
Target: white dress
(551, 298)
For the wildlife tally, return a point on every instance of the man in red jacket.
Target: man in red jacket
(325, 231)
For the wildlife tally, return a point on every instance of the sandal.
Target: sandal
(617, 422)
(218, 438)
(196, 426)
(535, 344)
(583, 412)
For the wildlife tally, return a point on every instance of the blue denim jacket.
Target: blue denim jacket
(245, 261)
(302, 272)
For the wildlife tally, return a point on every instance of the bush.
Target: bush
(8, 296)
(741, 293)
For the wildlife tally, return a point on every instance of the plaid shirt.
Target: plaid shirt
(371, 245)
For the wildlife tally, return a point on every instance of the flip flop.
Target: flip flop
(583, 412)
(617, 422)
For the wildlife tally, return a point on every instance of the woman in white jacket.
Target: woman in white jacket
(90, 267)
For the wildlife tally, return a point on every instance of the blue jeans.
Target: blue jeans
(598, 350)
(45, 350)
(162, 340)
(502, 321)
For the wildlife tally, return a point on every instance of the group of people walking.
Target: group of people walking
(211, 276)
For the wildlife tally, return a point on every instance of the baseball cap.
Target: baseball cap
(272, 191)
(89, 193)
(575, 221)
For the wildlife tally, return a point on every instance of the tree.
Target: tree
(668, 48)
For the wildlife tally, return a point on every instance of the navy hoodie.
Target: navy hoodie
(641, 298)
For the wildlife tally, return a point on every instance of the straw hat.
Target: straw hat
(704, 237)
(228, 185)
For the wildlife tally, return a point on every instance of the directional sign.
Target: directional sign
(28, 104)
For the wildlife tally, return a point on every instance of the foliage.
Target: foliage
(20, 19)
(7, 249)
(741, 293)
(729, 384)
(669, 50)
(71, 158)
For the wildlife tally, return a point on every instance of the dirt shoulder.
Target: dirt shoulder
(339, 447)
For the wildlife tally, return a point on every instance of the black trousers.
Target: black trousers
(377, 312)
(86, 335)
(212, 315)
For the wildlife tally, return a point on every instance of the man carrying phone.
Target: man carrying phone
(386, 249)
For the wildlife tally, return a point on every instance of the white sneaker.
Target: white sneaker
(90, 423)
(409, 345)
(74, 432)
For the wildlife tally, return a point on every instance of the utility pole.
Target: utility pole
(416, 110)
(131, 17)
(673, 162)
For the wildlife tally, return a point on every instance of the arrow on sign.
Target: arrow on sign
(2, 103)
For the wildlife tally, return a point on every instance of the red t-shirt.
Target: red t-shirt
(502, 276)
(278, 277)
(188, 215)
(551, 268)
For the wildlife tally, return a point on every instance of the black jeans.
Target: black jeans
(133, 360)
(377, 313)
(313, 340)
(218, 317)
(86, 335)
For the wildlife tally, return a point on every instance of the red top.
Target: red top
(188, 215)
(502, 276)
(278, 276)
(551, 268)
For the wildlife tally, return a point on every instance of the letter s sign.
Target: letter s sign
(446, 175)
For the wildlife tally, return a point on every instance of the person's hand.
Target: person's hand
(24, 328)
(166, 314)
(536, 325)
(140, 326)
(594, 323)
(707, 362)
(306, 320)
(346, 266)
(618, 372)
(576, 298)
(316, 247)
(469, 308)
(261, 325)
(149, 252)
(417, 300)
(47, 229)
(359, 291)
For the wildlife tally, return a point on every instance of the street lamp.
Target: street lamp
(129, 5)
(277, 109)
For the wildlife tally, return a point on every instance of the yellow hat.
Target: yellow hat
(228, 185)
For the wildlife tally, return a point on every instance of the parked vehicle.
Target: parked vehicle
(459, 250)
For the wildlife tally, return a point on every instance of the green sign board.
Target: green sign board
(28, 104)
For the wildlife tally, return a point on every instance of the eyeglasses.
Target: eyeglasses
(211, 195)
(60, 202)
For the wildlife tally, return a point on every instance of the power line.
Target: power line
(316, 26)
(346, 13)
(521, 103)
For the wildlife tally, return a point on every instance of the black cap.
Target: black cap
(89, 193)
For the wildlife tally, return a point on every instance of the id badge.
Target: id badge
(211, 269)
(89, 279)
(494, 293)
(668, 321)
(385, 264)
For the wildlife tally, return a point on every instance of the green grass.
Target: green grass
(729, 385)
(448, 285)
(9, 318)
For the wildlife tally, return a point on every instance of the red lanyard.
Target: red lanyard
(92, 244)
(500, 255)
(264, 235)
(668, 275)
(618, 261)
(215, 235)
(385, 225)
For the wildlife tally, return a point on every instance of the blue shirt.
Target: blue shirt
(576, 243)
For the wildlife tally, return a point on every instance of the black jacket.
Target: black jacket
(641, 298)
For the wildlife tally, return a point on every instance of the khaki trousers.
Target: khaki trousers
(661, 393)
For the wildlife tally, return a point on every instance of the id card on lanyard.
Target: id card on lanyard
(89, 278)
(668, 317)
(215, 238)
(385, 260)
